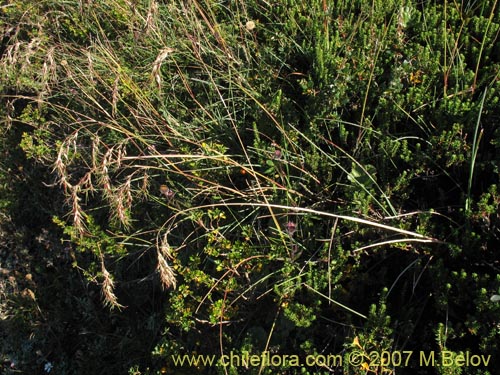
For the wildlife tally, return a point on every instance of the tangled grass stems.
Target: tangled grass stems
(206, 81)
(293, 209)
(257, 157)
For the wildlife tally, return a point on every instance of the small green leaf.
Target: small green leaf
(362, 175)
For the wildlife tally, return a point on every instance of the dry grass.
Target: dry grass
(172, 112)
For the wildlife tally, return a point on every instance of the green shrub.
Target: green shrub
(288, 178)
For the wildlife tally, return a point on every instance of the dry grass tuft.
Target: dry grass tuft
(166, 272)
(110, 298)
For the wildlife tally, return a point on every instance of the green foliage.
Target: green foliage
(290, 178)
(375, 338)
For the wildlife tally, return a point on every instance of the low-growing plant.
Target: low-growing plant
(246, 176)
